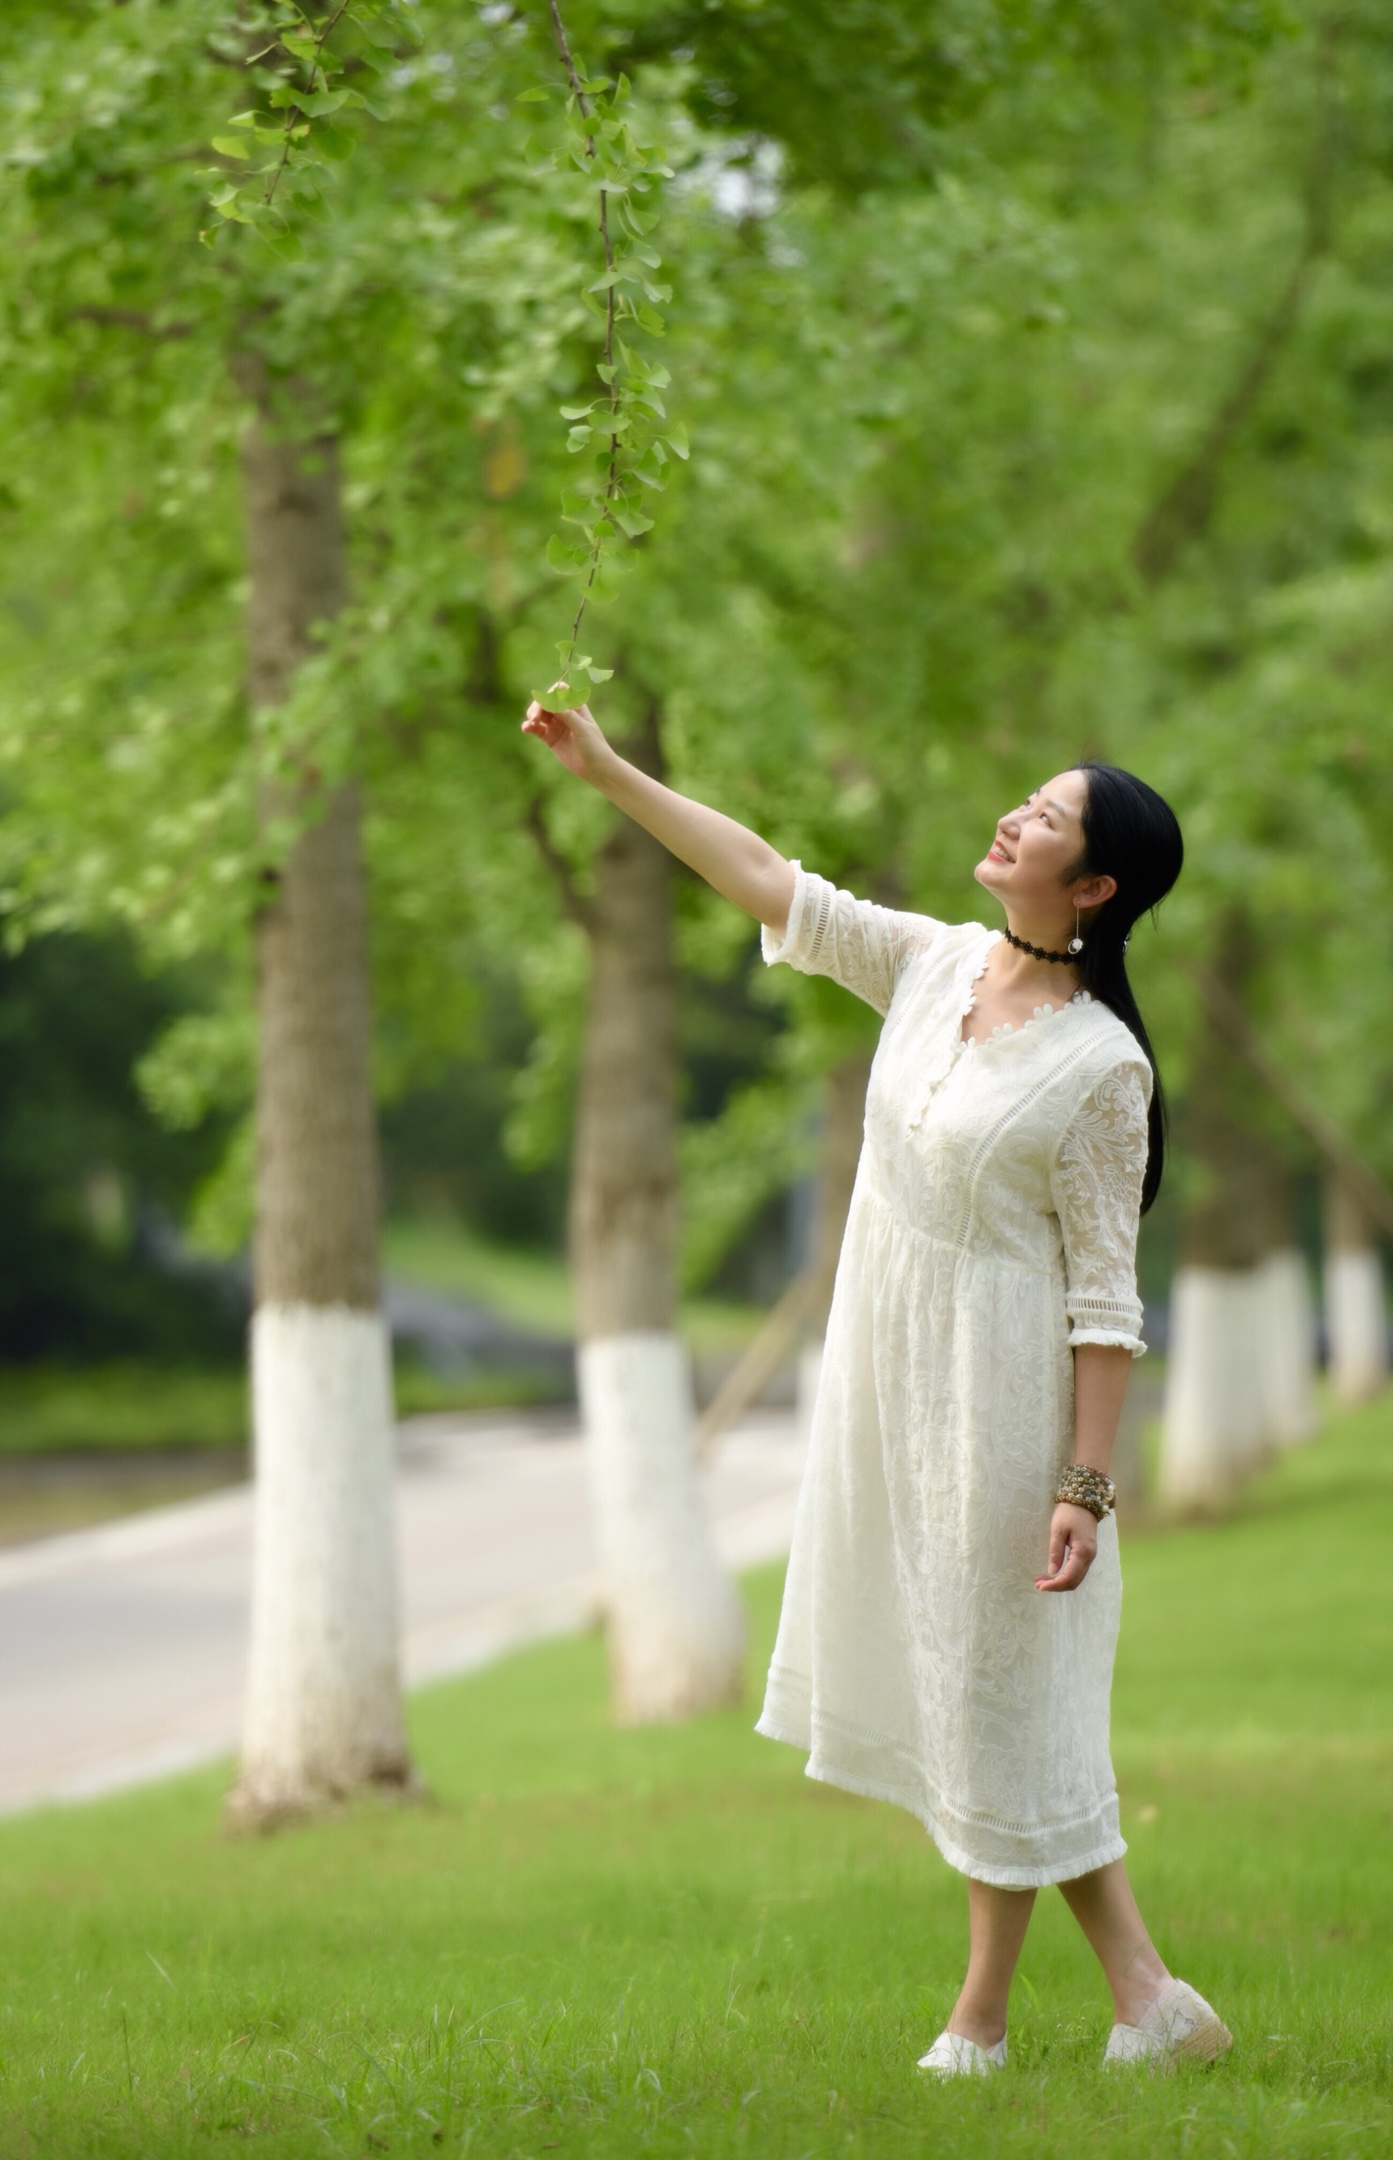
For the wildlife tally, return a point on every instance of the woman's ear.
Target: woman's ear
(1092, 892)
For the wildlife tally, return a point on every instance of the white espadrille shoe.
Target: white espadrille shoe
(954, 2055)
(1179, 2026)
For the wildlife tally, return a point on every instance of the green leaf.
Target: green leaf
(232, 146)
(598, 674)
(631, 522)
(284, 241)
(539, 94)
(676, 440)
(384, 34)
(320, 103)
(565, 558)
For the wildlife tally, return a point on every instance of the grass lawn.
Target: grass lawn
(668, 1942)
(119, 1409)
(530, 1287)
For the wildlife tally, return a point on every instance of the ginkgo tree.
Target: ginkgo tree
(380, 286)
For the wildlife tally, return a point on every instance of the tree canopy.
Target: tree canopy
(1034, 366)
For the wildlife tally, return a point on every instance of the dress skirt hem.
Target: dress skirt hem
(998, 1876)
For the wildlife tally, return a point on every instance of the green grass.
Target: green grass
(438, 1252)
(50, 1410)
(530, 1287)
(125, 1408)
(55, 1410)
(669, 1943)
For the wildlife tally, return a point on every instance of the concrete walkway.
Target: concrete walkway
(122, 1649)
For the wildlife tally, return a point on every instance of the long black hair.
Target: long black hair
(1130, 833)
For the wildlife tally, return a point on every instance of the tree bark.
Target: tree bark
(324, 1713)
(1356, 1319)
(1215, 1420)
(843, 1129)
(675, 1624)
(1286, 1317)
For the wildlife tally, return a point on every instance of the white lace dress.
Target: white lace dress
(993, 1227)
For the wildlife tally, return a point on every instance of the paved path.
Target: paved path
(122, 1649)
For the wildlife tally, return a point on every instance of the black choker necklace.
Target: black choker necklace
(1037, 952)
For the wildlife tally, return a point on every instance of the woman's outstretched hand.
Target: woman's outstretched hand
(1073, 1547)
(573, 735)
(730, 857)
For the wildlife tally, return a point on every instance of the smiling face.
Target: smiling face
(1028, 864)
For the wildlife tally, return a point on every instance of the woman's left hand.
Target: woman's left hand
(1073, 1547)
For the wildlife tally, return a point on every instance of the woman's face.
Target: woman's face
(1036, 847)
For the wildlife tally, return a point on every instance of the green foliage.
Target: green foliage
(604, 1942)
(958, 293)
(90, 1182)
(622, 436)
(306, 68)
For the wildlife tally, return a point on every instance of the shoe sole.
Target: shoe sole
(1205, 2044)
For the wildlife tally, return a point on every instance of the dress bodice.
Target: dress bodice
(1027, 1148)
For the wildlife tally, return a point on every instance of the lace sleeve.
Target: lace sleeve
(1096, 1183)
(860, 945)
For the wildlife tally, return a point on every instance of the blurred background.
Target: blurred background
(1037, 366)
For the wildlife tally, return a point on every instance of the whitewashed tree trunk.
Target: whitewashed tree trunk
(1287, 1346)
(1212, 1419)
(323, 1715)
(676, 1627)
(1356, 1318)
(843, 1129)
(1215, 1419)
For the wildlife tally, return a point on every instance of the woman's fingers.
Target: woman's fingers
(1070, 1575)
(1071, 1555)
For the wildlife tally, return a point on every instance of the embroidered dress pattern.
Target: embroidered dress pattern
(993, 1227)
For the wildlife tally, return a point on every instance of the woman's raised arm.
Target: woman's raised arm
(729, 856)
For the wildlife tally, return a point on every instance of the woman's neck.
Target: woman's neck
(1018, 971)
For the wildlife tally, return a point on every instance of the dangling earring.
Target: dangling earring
(1076, 941)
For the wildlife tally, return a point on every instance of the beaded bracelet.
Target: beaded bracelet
(1083, 1486)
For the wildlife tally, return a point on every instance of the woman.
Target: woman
(982, 1330)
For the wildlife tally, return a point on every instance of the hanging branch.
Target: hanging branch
(606, 371)
(629, 420)
(301, 94)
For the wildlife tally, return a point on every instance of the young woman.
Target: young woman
(953, 1593)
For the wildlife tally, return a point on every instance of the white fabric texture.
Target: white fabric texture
(992, 1227)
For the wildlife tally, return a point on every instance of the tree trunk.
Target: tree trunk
(1286, 1313)
(1356, 1321)
(1215, 1422)
(323, 1714)
(843, 1128)
(676, 1626)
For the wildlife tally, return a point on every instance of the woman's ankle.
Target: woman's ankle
(974, 2021)
(1145, 1980)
